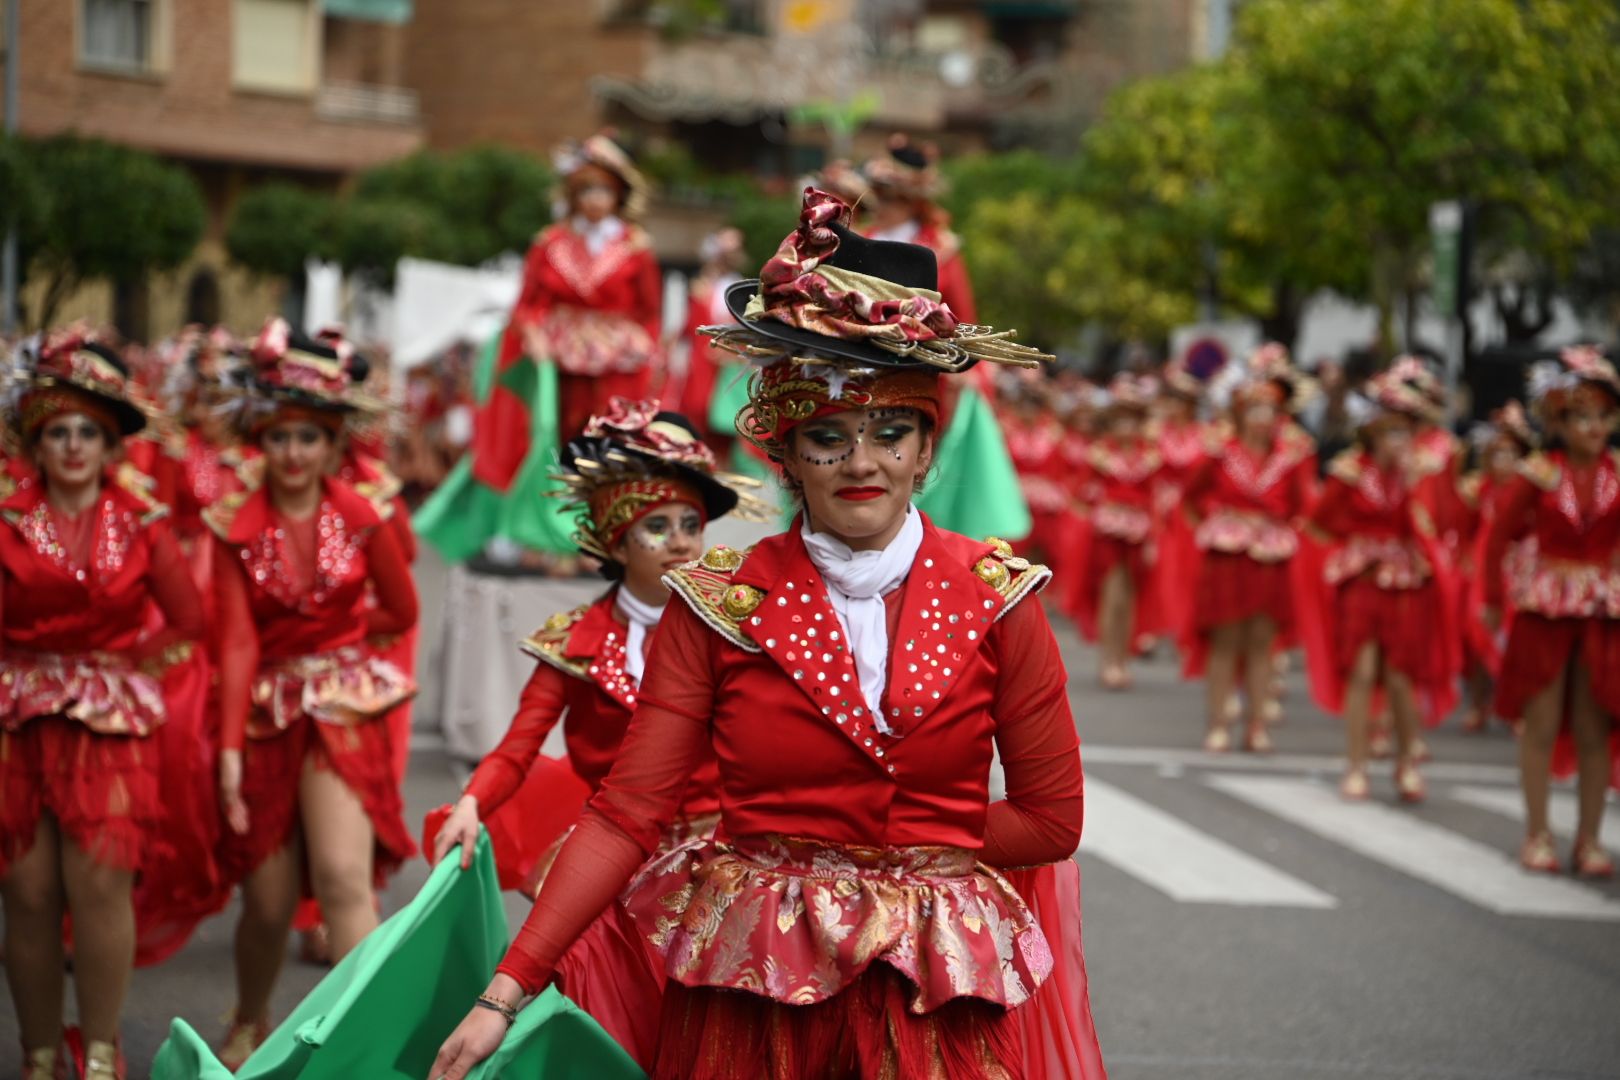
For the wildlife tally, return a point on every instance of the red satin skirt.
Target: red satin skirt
(105, 791)
(1232, 587)
(362, 757)
(866, 1030)
(1408, 626)
(1101, 556)
(1538, 649)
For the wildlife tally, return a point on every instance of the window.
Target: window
(118, 34)
(274, 45)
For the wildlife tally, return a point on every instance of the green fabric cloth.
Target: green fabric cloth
(463, 515)
(383, 11)
(973, 489)
(387, 1008)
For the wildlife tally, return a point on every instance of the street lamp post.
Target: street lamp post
(8, 258)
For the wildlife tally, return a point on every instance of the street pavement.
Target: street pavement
(1241, 921)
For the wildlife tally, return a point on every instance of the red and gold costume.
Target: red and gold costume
(1034, 442)
(1117, 483)
(1182, 448)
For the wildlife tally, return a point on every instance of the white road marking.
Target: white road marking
(1479, 874)
(1448, 772)
(1561, 811)
(1182, 862)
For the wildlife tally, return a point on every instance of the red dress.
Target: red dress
(581, 681)
(86, 732)
(1182, 448)
(1246, 536)
(854, 881)
(1565, 587)
(297, 680)
(1388, 583)
(1117, 483)
(1034, 447)
(599, 317)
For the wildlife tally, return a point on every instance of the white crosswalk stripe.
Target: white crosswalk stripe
(1560, 811)
(1472, 871)
(1180, 861)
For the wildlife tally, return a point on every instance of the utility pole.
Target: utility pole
(8, 258)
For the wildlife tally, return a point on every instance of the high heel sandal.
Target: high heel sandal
(1591, 861)
(96, 1060)
(1354, 785)
(1218, 740)
(1409, 783)
(1115, 677)
(241, 1039)
(1257, 740)
(1538, 854)
(46, 1063)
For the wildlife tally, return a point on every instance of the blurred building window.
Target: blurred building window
(121, 35)
(274, 45)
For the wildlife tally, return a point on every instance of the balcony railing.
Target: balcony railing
(365, 104)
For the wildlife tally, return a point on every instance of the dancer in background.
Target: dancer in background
(83, 561)
(1034, 437)
(309, 575)
(1114, 595)
(1244, 502)
(1183, 441)
(644, 487)
(1386, 631)
(709, 374)
(906, 186)
(838, 928)
(1561, 669)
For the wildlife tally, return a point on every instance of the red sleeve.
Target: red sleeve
(175, 594)
(1199, 483)
(624, 820)
(400, 522)
(650, 295)
(533, 301)
(1040, 819)
(1331, 512)
(1515, 515)
(238, 648)
(503, 768)
(1302, 491)
(395, 611)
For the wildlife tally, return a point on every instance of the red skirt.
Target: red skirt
(1407, 625)
(865, 1030)
(1102, 555)
(103, 790)
(1233, 587)
(362, 757)
(1538, 648)
(613, 975)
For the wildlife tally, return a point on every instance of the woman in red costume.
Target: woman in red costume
(1183, 440)
(1243, 503)
(851, 922)
(722, 260)
(83, 560)
(1114, 587)
(1386, 627)
(645, 486)
(1561, 669)
(1034, 437)
(308, 575)
(592, 297)
(906, 185)
(1501, 444)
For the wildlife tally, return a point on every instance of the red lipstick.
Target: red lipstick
(860, 494)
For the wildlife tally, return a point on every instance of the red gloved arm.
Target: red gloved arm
(238, 645)
(1329, 517)
(395, 611)
(625, 819)
(502, 770)
(174, 593)
(1040, 819)
(1199, 483)
(1514, 517)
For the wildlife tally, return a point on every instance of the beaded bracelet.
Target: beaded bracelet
(495, 1004)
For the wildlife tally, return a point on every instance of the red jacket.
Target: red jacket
(1574, 518)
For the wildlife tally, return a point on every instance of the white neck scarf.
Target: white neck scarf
(642, 618)
(856, 582)
(598, 235)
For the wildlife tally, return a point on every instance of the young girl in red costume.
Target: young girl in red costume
(851, 922)
(1183, 442)
(1387, 624)
(1243, 503)
(1114, 595)
(645, 486)
(1034, 437)
(83, 558)
(1561, 669)
(308, 574)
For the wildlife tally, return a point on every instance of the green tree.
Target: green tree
(113, 213)
(277, 227)
(370, 235)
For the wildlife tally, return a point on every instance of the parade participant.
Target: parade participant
(1114, 595)
(1500, 445)
(1243, 502)
(905, 188)
(1561, 668)
(210, 455)
(83, 560)
(1385, 627)
(1034, 437)
(1182, 441)
(308, 575)
(841, 926)
(644, 487)
(707, 373)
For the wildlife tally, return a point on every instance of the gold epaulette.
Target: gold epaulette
(708, 589)
(547, 643)
(141, 486)
(1426, 462)
(378, 496)
(8, 484)
(251, 472)
(1346, 466)
(1469, 486)
(1540, 470)
(221, 514)
(1011, 575)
